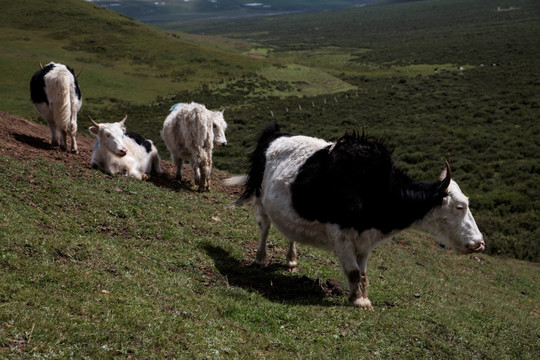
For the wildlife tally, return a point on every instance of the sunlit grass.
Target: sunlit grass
(307, 81)
(109, 267)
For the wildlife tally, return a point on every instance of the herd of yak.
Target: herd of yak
(346, 196)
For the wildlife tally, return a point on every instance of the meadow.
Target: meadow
(94, 266)
(99, 267)
(458, 79)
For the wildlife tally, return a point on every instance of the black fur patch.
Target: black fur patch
(140, 140)
(37, 85)
(257, 161)
(77, 89)
(356, 185)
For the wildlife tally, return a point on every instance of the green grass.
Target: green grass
(404, 61)
(93, 266)
(101, 267)
(308, 81)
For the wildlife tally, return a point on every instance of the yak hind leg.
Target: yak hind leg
(178, 163)
(74, 148)
(73, 134)
(54, 135)
(264, 228)
(292, 263)
(63, 140)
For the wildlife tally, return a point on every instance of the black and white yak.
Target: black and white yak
(348, 197)
(119, 152)
(57, 97)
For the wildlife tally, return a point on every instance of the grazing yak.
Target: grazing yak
(348, 197)
(190, 132)
(117, 151)
(56, 95)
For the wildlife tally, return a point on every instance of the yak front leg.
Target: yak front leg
(354, 271)
(205, 166)
(362, 299)
(201, 172)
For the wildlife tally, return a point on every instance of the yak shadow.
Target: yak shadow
(273, 281)
(170, 182)
(33, 141)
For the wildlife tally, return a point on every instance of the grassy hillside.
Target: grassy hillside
(122, 58)
(95, 266)
(438, 77)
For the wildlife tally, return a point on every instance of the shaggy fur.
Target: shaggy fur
(116, 151)
(348, 197)
(355, 184)
(57, 97)
(190, 133)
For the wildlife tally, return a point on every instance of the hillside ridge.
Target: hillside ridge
(26, 140)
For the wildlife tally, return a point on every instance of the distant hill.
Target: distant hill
(123, 59)
(162, 12)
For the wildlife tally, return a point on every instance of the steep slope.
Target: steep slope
(94, 266)
(26, 141)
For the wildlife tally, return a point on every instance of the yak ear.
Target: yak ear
(445, 177)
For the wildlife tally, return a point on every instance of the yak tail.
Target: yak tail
(61, 101)
(253, 180)
(236, 180)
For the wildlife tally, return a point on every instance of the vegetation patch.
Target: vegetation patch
(307, 81)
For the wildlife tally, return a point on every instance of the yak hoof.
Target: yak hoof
(145, 177)
(362, 303)
(292, 266)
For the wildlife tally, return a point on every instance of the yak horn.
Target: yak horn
(93, 122)
(79, 73)
(40, 65)
(445, 177)
(124, 119)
